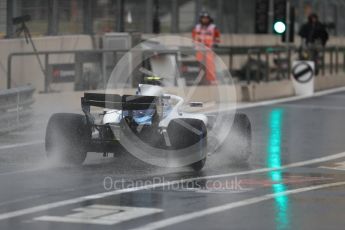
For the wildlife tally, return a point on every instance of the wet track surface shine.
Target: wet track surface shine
(124, 193)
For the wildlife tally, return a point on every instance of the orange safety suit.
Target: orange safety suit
(208, 36)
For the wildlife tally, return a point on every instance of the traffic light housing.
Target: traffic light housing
(291, 36)
(261, 16)
(279, 16)
(282, 24)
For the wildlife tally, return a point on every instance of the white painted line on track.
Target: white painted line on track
(24, 171)
(102, 214)
(20, 200)
(340, 166)
(290, 99)
(45, 207)
(210, 211)
(58, 204)
(12, 146)
(315, 107)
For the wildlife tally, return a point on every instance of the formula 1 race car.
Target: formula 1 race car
(150, 116)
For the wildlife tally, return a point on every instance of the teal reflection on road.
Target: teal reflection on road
(274, 161)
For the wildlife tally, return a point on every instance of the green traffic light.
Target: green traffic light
(279, 27)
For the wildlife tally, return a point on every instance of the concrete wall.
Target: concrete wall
(26, 70)
(259, 91)
(281, 89)
(70, 101)
(322, 83)
(253, 39)
(3, 17)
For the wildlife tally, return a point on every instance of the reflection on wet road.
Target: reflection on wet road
(265, 194)
(274, 161)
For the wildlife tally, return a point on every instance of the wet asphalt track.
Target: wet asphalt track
(35, 195)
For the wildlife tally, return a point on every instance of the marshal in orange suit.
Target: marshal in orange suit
(206, 33)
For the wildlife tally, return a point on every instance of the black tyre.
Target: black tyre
(66, 139)
(189, 134)
(199, 165)
(240, 140)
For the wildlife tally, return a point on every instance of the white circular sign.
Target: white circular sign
(303, 72)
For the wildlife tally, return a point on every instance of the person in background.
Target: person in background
(207, 34)
(314, 32)
(314, 38)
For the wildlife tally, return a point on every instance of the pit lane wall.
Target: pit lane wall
(273, 90)
(26, 70)
(261, 91)
(70, 101)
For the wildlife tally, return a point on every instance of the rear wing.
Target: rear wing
(115, 101)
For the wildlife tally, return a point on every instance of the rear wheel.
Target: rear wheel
(189, 134)
(66, 139)
(240, 139)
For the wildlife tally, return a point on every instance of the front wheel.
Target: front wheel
(189, 136)
(199, 165)
(66, 138)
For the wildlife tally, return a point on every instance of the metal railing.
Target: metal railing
(15, 107)
(46, 55)
(275, 62)
(264, 63)
(102, 55)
